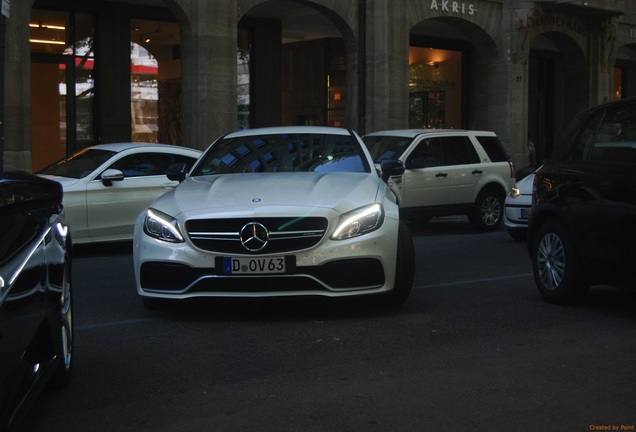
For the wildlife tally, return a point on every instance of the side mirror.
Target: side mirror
(390, 168)
(26, 193)
(111, 175)
(177, 172)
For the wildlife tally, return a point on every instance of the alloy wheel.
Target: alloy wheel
(490, 210)
(551, 261)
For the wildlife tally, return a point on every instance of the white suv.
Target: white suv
(448, 172)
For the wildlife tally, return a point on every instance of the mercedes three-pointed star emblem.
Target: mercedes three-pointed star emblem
(254, 236)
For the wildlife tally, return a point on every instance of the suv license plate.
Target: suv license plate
(266, 265)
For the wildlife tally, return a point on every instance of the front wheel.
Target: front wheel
(558, 271)
(64, 334)
(488, 210)
(404, 269)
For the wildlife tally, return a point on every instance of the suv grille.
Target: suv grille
(285, 234)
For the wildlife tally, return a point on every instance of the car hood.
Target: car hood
(265, 193)
(66, 182)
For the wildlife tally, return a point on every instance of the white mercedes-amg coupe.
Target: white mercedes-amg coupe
(285, 211)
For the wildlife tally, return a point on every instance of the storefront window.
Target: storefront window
(62, 84)
(336, 83)
(435, 88)
(618, 83)
(155, 82)
(243, 78)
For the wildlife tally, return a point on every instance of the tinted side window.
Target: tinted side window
(493, 148)
(428, 153)
(144, 164)
(179, 159)
(616, 138)
(583, 144)
(458, 150)
(386, 147)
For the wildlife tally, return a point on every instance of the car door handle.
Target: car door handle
(477, 171)
(171, 185)
(441, 174)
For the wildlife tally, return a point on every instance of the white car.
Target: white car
(106, 186)
(448, 172)
(287, 211)
(517, 208)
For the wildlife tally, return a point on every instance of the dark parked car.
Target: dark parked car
(582, 228)
(36, 327)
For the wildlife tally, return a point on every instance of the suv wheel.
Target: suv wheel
(488, 210)
(557, 267)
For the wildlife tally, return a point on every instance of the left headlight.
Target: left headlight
(358, 222)
(162, 226)
(515, 192)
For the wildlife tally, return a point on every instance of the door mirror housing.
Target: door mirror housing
(111, 175)
(390, 168)
(177, 172)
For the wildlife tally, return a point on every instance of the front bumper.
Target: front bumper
(516, 216)
(359, 266)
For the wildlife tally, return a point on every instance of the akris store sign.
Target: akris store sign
(450, 6)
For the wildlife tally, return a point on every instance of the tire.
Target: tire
(557, 267)
(404, 271)
(488, 210)
(64, 334)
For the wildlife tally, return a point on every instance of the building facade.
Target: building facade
(186, 71)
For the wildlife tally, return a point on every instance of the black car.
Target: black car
(36, 326)
(582, 228)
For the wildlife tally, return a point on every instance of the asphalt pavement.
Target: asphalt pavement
(475, 348)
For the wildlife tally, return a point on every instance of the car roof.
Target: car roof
(121, 146)
(412, 133)
(289, 129)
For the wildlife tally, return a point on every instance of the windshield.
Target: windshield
(305, 152)
(79, 164)
(384, 147)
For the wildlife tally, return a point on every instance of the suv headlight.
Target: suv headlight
(358, 222)
(161, 226)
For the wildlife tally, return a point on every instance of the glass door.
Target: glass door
(62, 86)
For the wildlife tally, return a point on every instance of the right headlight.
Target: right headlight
(358, 222)
(162, 226)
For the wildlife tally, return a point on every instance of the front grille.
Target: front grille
(285, 234)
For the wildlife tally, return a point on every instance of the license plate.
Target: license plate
(264, 265)
(525, 213)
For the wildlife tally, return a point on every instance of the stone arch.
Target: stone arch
(482, 19)
(485, 88)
